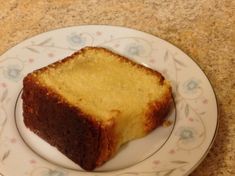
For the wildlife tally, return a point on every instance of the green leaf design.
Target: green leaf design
(6, 154)
(186, 110)
(201, 135)
(32, 49)
(44, 42)
(169, 172)
(166, 57)
(179, 63)
(202, 113)
(4, 95)
(179, 162)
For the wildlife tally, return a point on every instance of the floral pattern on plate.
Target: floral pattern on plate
(196, 106)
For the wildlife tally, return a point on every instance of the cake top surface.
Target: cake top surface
(103, 84)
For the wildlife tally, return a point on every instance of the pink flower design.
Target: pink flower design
(13, 140)
(98, 33)
(205, 101)
(172, 151)
(152, 61)
(30, 60)
(3, 85)
(116, 45)
(191, 119)
(156, 162)
(32, 161)
(50, 54)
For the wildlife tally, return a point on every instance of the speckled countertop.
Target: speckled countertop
(204, 29)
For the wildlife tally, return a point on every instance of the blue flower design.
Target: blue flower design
(12, 72)
(134, 49)
(76, 39)
(186, 134)
(51, 172)
(191, 86)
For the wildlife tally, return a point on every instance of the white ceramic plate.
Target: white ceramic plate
(175, 149)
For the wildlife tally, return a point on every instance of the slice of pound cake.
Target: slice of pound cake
(90, 103)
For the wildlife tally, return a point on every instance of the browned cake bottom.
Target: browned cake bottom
(69, 130)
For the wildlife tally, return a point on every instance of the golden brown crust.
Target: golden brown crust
(108, 141)
(41, 106)
(124, 59)
(157, 111)
(89, 142)
(120, 57)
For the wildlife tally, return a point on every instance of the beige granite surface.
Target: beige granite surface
(204, 29)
